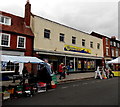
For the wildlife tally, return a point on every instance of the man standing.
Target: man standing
(61, 70)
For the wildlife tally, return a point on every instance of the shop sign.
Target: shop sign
(77, 49)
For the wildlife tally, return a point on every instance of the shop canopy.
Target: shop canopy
(20, 59)
(114, 61)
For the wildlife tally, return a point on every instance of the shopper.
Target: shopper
(104, 73)
(98, 73)
(62, 71)
(25, 75)
(111, 73)
(16, 76)
(107, 73)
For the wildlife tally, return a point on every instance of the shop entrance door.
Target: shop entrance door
(55, 66)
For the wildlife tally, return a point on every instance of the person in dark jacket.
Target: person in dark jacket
(25, 75)
(43, 75)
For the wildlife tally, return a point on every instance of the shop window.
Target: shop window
(4, 39)
(73, 40)
(61, 37)
(91, 44)
(9, 66)
(79, 64)
(85, 64)
(83, 42)
(46, 33)
(21, 41)
(5, 20)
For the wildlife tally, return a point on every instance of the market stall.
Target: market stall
(115, 64)
(34, 84)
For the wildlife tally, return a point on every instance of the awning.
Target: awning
(20, 59)
(114, 61)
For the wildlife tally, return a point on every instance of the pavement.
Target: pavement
(75, 76)
(70, 77)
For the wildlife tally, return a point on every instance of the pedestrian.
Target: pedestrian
(52, 68)
(111, 73)
(107, 73)
(98, 73)
(25, 75)
(62, 71)
(68, 69)
(49, 72)
(48, 66)
(16, 74)
(103, 73)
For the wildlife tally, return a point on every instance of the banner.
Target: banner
(77, 49)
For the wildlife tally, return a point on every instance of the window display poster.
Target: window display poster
(88, 64)
(3, 66)
(79, 64)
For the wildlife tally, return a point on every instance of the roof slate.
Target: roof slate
(17, 25)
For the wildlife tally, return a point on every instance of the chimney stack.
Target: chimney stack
(27, 13)
(113, 38)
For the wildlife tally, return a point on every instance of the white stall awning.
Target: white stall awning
(20, 59)
(114, 61)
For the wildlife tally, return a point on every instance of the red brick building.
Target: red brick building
(111, 46)
(16, 37)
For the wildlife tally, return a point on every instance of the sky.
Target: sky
(100, 16)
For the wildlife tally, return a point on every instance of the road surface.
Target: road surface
(81, 92)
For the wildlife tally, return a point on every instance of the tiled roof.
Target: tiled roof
(17, 25)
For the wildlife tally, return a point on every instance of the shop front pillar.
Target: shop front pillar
(103, 62)
(65, 60)
(74, 64)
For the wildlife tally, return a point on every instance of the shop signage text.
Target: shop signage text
(77, 49)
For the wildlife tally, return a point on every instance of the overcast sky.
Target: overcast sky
(100, 16)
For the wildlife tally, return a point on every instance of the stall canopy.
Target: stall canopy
(114, 61)
(20, 59)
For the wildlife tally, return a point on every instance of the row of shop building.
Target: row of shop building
(36, 36)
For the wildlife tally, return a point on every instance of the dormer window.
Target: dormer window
(5, 20)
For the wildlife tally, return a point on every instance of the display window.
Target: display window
(8, 66)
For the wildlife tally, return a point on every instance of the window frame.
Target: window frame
(62, 37)
(98, 45)
(73, 40)
(113, 52)
(107, 41)
(47, 31)
(4, 20)
(117, 52)
(118, 45)
(18, 42)
(114, 43)
(91, 44)
(83, 41)
(1, 34)
(107, 51)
